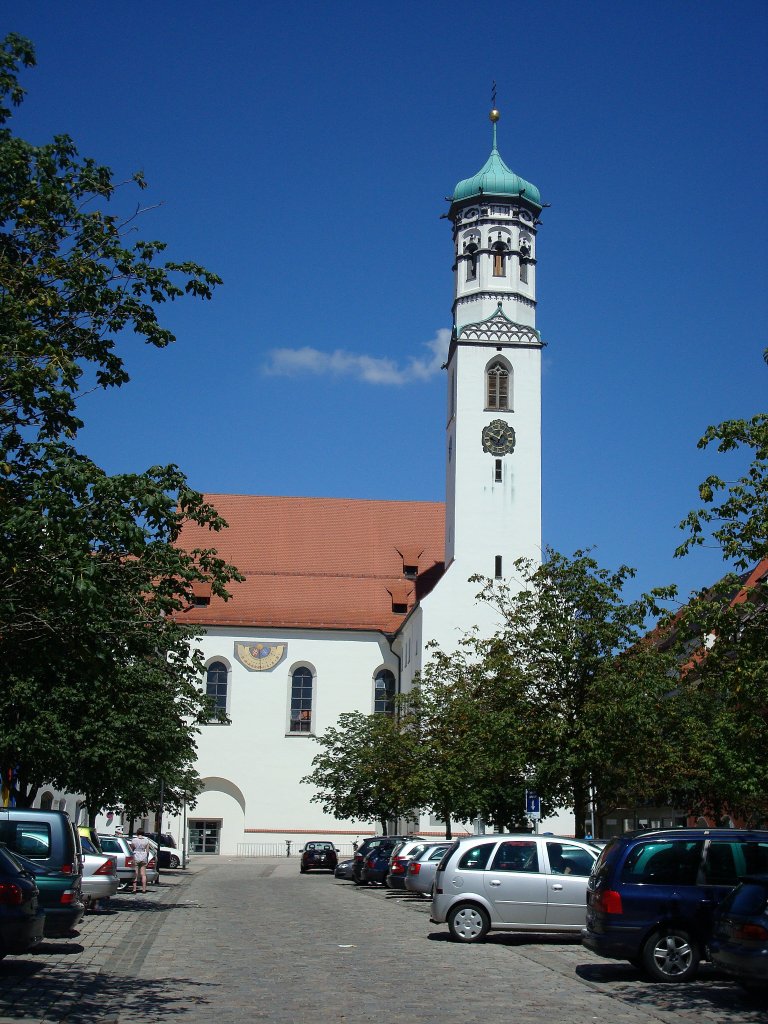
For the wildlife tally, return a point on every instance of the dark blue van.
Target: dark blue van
(651, 896)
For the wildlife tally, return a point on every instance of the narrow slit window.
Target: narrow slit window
(499, 260)
(471, 262)
(497, 567)
(497, 475)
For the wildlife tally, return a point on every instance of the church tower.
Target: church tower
(493, 427)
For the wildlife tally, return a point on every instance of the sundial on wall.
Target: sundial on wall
(260, 657)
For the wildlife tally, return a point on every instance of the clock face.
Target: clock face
(498, 438)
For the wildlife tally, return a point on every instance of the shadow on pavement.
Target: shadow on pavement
(79, 996)
(710, 993)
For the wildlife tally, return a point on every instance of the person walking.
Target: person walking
(140, 846)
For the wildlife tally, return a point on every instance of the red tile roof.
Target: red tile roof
(321, 563)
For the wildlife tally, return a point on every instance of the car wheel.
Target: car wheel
(671, 956)
(175, 862)
(303, 871)
(468, 923)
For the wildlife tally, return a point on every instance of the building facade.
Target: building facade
(341, 596)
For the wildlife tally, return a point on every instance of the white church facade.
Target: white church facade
(340, 596)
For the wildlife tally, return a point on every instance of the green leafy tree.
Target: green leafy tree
(92, 584)
(722, 636)
(475, 730)
(367, 769)
(569, 632)
(722, 707)
(734, 513)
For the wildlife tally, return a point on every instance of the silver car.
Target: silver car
(119, 848)
(512, 883)
(421, 871)
(100, 880)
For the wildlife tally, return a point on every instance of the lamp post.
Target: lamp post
(184, 834)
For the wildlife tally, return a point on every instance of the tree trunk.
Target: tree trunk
(580, 805)
(447, 820)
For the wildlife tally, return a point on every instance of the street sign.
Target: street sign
(532, 805)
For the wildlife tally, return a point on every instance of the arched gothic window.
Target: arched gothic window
(497, 377)
(46, 801)
(301, 700)
(216, 684)
(384, 692)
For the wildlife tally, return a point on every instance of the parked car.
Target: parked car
(169, 856)
(739, 944)
(86, 832)
(421, 870)
(512, 883)
(50, 847)
(400, 858)
(368, 844)
(345, 869)
(22, 919)
(376, 865)
(100, 878)
(652, 895)
(318, 853)
(119, 848)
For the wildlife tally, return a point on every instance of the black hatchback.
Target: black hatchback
(318, 853)
(652, 895)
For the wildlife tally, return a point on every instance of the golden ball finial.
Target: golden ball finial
(494, 115)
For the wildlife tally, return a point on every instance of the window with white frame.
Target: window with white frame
(301, 700)
(384, 692)
(217, 685)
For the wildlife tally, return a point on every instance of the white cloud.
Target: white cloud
(294, 362)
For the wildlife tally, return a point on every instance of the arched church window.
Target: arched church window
(384, 692)
(301, 700)
(498, 386)
(471, 262)
(216, 684)
(499, 259)
(46, 801)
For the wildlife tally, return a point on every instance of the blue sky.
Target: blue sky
(303, 152)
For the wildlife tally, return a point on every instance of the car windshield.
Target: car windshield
(319, 846)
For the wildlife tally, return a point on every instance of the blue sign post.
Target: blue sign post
(532, 805)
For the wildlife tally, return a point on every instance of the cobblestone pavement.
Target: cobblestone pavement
(253, 940)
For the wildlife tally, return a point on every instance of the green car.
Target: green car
(48, 846)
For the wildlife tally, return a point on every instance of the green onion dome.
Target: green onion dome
(496, 179)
